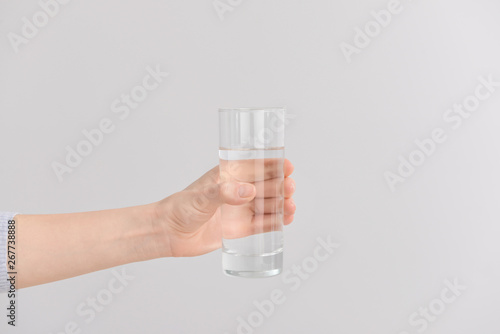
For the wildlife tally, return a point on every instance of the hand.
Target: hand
(184, 224)
(187, 220)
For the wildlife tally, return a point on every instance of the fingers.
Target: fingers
(288, 220)
(252, 170)
(272, 205)
(212, 176)
(235, 193)
(289, 187)
(269, 188)
(250, 225)
(275, 188)
(288, 168)
(289, 207)
(239, 228)
(206, 200)
(266, 205)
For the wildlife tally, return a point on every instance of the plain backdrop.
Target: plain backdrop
(351, 123)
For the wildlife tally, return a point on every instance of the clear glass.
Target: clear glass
(252, 151)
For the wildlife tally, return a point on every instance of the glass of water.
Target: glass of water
(252, 151)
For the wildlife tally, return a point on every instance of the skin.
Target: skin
(59, 246)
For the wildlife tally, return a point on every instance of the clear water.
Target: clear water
(253, 233)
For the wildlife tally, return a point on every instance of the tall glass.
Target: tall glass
(252, 151)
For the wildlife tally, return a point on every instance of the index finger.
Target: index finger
(254, 170)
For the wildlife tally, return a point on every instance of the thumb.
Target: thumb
(209, 198)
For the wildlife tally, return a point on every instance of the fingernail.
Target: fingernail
(245, 190)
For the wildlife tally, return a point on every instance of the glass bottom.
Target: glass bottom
(253, 274)
(253, 266)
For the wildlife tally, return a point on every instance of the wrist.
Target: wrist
(159, 235)
(146, 240)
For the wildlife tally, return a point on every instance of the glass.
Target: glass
(252, 151)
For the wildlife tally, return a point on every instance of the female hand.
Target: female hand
(188, 220)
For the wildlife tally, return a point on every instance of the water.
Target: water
(252, 244)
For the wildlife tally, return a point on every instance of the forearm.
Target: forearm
(60, 246)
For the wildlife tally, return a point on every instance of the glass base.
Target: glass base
(253, 274)
(252, 266)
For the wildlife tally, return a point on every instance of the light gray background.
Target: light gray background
(351, 123)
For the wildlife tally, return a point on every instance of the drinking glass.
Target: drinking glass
(252, 151)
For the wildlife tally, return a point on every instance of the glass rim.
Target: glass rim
(251, 109)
